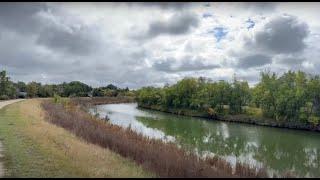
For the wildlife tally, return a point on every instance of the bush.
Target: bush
(314, 120)
(59, 100)
(4, 97)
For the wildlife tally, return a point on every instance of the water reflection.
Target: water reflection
(277, 149)
(127, 119)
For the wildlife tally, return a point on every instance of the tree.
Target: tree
(291, 97)
(111, 86)
(97, 92)
(313, 92)
(7, 90)
(46, 91)
(21, 86)
(222, 95)
(240, 96)
(149, 96)
(76, 88)
(264, 94)
(185, 90)
(33, 89)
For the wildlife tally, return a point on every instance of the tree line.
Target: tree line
(293, 96)
(11, 90)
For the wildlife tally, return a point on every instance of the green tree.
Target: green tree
(33, 89)
(76, 88)
(264, 94)
(21, 86)
(313, 92)
(149, 96)
(7, 90)
(240, 96)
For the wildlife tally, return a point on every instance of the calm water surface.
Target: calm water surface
(277, 149)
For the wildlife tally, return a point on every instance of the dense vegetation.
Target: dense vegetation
(164, 159)
(11, 90)
(291, 97)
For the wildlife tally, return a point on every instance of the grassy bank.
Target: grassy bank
(164, 159)
(251, 116)
(34, 147)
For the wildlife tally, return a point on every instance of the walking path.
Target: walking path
(3, 104)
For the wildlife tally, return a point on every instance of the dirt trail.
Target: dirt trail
(3, 104)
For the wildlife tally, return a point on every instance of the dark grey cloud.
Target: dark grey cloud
(256, 60)
(257, 7)
(18, 51)
(292, 61)
(195, 66)
(177, 24)
(21, 16)
(260, 7)
(163, 5)
(75, 41)
(187, 63)
(24, 18)
(284, 34)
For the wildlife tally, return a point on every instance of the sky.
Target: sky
(152, 44)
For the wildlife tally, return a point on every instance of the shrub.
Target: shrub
(4, 97)
(314, 120)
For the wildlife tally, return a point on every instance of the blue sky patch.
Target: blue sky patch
(219, 33)
(250, 24)
(206, 15)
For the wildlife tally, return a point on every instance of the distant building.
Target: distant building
(21, 94)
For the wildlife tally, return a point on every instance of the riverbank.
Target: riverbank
(240, 118)
(175, 162)
(33, 147)
(85, 101)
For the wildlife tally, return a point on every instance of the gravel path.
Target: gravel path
(3, 104)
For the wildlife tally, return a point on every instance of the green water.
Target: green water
(278, 150)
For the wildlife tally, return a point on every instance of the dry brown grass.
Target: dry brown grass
(68, 151)
(165, 159)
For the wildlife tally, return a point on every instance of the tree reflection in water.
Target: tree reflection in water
(277, 149)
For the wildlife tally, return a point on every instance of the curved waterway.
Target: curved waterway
(279, 150)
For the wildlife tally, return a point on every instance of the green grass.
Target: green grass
(23, 156)
(36, 148)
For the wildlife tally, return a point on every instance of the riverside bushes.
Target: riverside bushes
(293, 97)
(165, 159)
(83, 101)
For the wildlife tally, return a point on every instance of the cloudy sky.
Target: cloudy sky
(140, 44)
